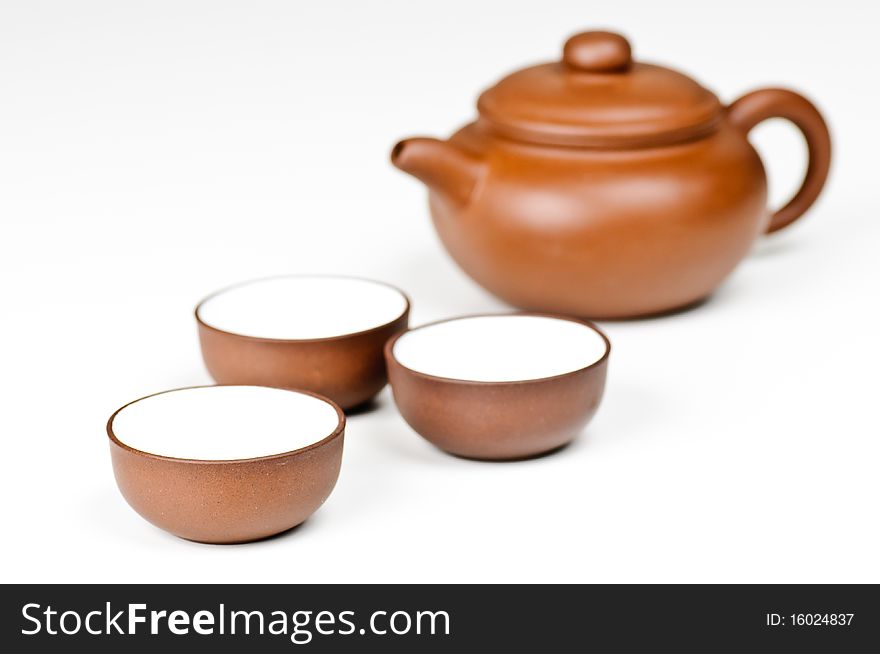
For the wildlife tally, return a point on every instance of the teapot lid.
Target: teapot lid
(598, 96)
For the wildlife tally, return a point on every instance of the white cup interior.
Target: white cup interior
(302, 307)
(221, 423)
(500, 348)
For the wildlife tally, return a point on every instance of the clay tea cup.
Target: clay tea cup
(227, 464)
(319, 333)
(499, 386)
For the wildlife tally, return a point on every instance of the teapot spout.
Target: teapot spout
(442, 166)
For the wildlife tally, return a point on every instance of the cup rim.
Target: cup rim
(389, 349)
(340, 428)
(321, 339)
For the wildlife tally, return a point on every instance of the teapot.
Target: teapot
(602, 187)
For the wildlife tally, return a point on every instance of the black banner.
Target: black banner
(440, 617)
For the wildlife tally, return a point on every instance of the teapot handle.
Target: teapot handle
(762, 104)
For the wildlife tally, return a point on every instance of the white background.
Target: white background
(151, 152)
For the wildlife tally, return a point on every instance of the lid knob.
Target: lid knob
(597, 52)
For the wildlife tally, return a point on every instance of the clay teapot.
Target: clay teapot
(602, 187)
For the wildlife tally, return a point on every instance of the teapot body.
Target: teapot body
(602, 187)
(604, 233)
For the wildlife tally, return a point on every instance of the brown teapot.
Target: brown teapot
(602, 187)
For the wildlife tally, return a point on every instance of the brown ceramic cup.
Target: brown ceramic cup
(226, 464)
(319, 333)
(499, 387)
